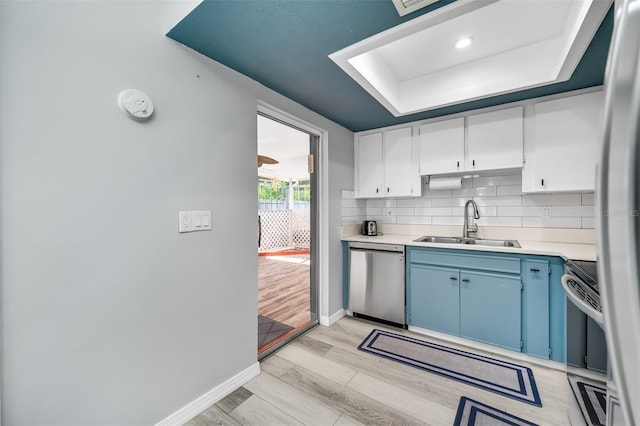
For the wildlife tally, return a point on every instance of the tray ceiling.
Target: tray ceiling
(285, 45)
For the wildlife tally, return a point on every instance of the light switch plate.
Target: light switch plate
(190, 221)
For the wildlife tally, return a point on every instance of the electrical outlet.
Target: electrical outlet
(546, 212)
(194, 221)
(185, 221)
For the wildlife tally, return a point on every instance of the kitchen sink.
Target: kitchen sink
(469, 241)
(441, 240)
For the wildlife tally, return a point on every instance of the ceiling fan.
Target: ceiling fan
(263, 159)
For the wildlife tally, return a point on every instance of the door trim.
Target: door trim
(322, 270)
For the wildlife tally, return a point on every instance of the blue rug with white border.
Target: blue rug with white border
(501, 377)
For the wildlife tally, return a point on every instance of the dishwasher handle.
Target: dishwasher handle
(373, 247)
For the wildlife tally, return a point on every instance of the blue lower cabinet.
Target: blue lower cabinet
(490, 308)
(536, 279)
(434, 298)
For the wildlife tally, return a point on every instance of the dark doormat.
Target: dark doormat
(504, 378)
(269, 330)
(474, 413)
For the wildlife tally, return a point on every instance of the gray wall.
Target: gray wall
(109, 316)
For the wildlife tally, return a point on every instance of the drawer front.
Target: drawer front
(509, 265)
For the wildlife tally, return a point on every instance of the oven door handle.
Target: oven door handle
(581, 304)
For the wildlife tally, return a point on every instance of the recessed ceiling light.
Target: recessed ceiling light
(463, 42)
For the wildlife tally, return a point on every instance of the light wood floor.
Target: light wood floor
(283, 289)
(323, 379)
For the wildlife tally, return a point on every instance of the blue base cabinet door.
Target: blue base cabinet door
(434, 300)
(490, 308)
(537, 307)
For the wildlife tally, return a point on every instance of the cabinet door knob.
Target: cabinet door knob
(465, 280)
(453, 278)
(534, 270)
(376, 190)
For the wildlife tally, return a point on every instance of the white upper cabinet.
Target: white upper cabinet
(386, 165)
(369, 170)
(401, 177)
(495, 140)
(441, 146)
(562, 154)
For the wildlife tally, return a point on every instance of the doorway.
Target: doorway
(287, 289)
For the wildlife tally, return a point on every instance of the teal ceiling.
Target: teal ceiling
(284, 44)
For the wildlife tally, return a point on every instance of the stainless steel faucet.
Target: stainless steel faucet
(466, 229)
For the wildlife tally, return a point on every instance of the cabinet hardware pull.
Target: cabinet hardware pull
(376, 190)
(542, 182)
(465, 280)
(387, 189)
(534, 270)
(458, 164)
(453, 278)
(474, 162)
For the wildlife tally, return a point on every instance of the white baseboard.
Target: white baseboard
(555, 365)
(328, 321)
(203, 402)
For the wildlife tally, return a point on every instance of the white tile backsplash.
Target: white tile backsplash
(552, 200)
(433, 211)
(500, 200)
(414, 220)
(588, 199)
(480, 191)
(451, 220)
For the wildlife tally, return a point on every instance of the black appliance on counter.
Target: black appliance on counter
(370, 228)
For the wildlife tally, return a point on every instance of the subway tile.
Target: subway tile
(499, 221)
(405, 202)
(372, 202)
(498, 180)
(382, 219)
(448, 202)
(499, 201)
(441, 193)
(347, 193)
(401, 211)
(418, 202)
(353, 220)
(414, 220)
(484, 211)
(373, 211)
(351, 202)
(442, 220)
(588, 199)
(552, 200)
(573, 211)
(551, 222)
(509, 190)
(433, 211)
(352, 211)
(532, 211)
(588, 223)
(481, 191)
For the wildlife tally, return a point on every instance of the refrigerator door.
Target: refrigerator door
(618, 210)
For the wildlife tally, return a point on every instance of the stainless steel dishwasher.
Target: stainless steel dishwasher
(376, 281)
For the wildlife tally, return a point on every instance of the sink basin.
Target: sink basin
(441, 240)
(494, 243)
(470, 241)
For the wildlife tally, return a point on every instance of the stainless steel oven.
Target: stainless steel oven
(586, 345)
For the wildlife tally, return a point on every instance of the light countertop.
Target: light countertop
(546, 248)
